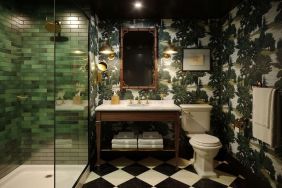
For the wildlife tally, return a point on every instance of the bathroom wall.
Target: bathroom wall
(227, 85)
(37, 81)
(93, 60)
(252, 52)
(11, 59)
(27, 69)
(173, 83)
(72, 54)
(71, 70)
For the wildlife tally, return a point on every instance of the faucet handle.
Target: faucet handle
(162, 96)
(139, 101)
(147, 101)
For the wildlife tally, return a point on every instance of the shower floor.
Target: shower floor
(34, 176)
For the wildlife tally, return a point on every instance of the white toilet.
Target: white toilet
(196, 122)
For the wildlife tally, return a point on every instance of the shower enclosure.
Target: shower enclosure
(43, 93)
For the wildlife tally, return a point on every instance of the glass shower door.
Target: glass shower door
(71, 93)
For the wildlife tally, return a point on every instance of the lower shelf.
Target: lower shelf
(169, 145)
(136, 149)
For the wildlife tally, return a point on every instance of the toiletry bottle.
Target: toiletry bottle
(115, 99)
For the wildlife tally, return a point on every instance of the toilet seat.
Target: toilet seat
(205, 140)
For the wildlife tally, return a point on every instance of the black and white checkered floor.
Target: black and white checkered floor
(132, 172)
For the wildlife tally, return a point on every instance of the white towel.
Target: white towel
(263, 114)
(125, 135)
(262, 106)
(157, 146)
(122, 141)
(124, 146)
(153, 134)
(150, 141)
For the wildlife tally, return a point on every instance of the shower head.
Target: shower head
(53, 27)
(59, 38)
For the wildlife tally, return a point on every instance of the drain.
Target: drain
(48, 176)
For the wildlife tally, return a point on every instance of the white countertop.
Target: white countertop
(69, 106)
(195, 106)
(154, 105)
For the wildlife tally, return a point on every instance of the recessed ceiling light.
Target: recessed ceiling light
(138, 5)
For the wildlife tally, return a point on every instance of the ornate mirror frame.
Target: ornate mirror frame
(123, 32)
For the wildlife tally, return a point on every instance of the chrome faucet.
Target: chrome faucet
(139, 101)
(147, 99)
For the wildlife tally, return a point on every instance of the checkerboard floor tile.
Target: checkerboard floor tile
(143, 172)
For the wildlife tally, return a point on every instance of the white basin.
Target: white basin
(154, 105)
(138, 105)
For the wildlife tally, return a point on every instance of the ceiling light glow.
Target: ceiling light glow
(138, 5)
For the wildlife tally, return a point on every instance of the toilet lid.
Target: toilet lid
(205, 140)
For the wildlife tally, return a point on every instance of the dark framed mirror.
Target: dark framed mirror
(138, 63)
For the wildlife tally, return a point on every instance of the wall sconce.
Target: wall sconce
(166, 56)
(111, 56)
(102, 66)
(106, 48)
(169, 50)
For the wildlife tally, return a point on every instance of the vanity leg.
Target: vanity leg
(98, 141)
(177, 140)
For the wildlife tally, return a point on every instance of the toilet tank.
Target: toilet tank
(195, 118)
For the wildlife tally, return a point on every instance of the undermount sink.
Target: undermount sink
(124, 105)
(138, 104)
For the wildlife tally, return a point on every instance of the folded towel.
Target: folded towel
(125, 135)
(124, 146)
(116, 140)
(150, 141)
(153, 134)
(157, 146)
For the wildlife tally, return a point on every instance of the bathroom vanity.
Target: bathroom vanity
(156, 110)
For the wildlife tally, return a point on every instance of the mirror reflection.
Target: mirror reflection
(138, 58)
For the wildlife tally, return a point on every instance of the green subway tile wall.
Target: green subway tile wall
(71, 71)
(10, 63)
(28, 68)
(72, 55)
(37, 80)
(71, 137)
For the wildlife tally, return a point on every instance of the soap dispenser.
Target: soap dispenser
(115, 99)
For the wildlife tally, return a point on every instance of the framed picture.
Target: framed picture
(196, 59)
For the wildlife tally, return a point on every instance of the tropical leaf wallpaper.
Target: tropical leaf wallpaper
(246, 48)
(93, 60)
(252, 34)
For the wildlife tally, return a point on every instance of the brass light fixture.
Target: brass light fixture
(111, 56)
(102, 66)
(169, 50)
(106, 48)
(166, 56)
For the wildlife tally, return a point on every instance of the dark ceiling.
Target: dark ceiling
(163, 8)
(124, 9)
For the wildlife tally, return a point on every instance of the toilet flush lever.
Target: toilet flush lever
(187, 113)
